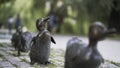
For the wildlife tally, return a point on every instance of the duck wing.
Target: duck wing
(52, 39)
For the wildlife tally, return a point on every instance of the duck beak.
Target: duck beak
(110, 31)
(46, 19)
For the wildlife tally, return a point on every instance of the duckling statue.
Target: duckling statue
(81, 55)
(21, 41)
(40, 46)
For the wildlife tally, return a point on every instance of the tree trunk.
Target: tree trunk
(114, 20)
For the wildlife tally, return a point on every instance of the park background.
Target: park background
(72, 16)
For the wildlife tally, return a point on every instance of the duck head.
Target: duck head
(19, 30)
(40, 23)
(98, 31)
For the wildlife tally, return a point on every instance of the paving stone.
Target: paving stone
(3, 53)
(12, 59)
(8, 67)
(1, 59)
(27, 67)
(108, 65)
(6, 64)
(22, 64)
(11, 52)
(25, 57)
(1, 62)
(4, 48)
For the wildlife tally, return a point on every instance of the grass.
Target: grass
(112, 62)
(15, 65)
(36, 65)
(24, 60)
(1, 45)
(4, 44)
(3, 58)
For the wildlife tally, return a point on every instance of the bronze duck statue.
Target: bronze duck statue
(21, 40)
(81, 55)
(40, 46)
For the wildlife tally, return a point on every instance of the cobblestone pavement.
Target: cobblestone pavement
(9, 59)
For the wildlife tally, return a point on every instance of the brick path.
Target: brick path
(8, 59)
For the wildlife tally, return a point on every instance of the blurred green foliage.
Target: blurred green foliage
(73, 16)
